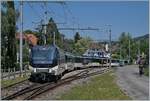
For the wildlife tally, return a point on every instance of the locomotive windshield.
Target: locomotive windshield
(42, 54)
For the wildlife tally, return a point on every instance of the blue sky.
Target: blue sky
(125, 16)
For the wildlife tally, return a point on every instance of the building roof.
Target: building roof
(30, 38)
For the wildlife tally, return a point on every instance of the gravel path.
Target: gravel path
(135, 86)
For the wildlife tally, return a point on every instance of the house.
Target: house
(31, 39)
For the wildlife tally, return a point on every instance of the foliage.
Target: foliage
(28, 31)
(68, 45)
(135, 46)
(124, 45)
(77, 37)
(115, 56)
(8, 19)
(25, 53)
(51, 29)
(82, 45)
(144, 47)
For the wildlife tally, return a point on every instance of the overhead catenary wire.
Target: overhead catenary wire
(66, 12)
(74, 20)
(34, 11)
(51, 13)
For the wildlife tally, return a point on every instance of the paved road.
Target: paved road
(135, 86)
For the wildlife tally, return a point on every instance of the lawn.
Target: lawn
(146, 71)
(5, 83)
(102, 87)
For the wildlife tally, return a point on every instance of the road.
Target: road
(135, 86)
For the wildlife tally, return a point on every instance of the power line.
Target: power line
(89, 28)
(36, 13)
(74, 19)
(52, 12)
(65, 13)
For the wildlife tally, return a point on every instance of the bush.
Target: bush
(18, 65)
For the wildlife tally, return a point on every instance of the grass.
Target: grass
(5, 83)
(101, 87)
(146, 71)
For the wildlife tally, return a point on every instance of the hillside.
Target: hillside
(146, 36)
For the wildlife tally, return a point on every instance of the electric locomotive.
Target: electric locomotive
(49, 63)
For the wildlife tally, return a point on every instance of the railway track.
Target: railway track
(15, 84)
(35, 90)
(66, 81)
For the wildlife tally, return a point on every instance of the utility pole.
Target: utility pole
(110, 46)
(109, 31)
(129, 47)
(54, 38)
(120, 51)
(45, 22)
(21, 35)
(139, 48)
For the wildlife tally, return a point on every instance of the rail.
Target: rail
(36, 90)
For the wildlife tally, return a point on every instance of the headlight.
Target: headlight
(34, 69)
(50, 70)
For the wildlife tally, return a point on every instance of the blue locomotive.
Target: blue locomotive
(49, 63)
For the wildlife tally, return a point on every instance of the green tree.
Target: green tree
(134, 46)
(82, 45)
(77, 37)
(8, 34)
(144, 48)
(68, 45)
(28, 31)
(51, 29)
(124, 44)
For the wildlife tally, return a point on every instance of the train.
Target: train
(49, 63)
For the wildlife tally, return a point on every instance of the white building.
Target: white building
(96, 53)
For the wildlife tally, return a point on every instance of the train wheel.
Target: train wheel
(56, 79)
(32, 78)
(59, 77)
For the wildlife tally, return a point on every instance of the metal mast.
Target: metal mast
(129, 47)
(21, 35)
(110, 46)
(109, 31)
(45, 23)
(54, 38)
(139, 53)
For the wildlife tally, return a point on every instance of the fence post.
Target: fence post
(2, 73)
(14, 73)
(102, 63)
(8, 73)
(11, 72)
(107, 63)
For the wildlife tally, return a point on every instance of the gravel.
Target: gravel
(15, 88)
(131, 83)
